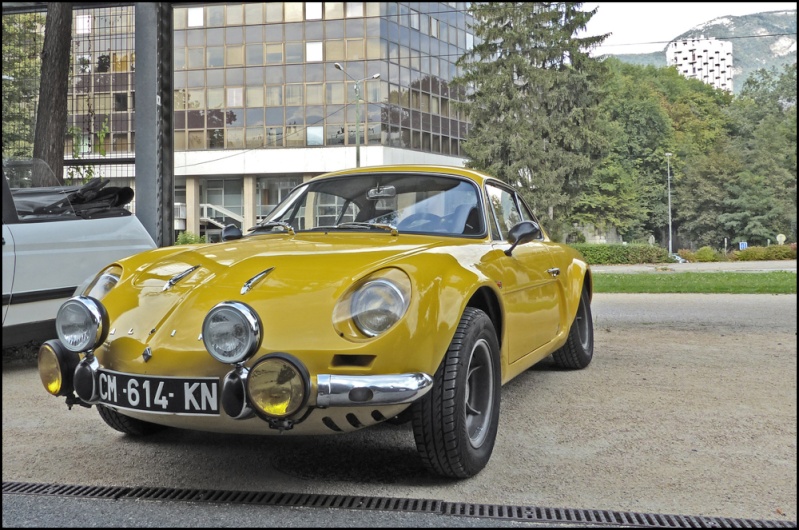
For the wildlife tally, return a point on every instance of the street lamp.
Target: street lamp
(668, 180)
(357, 111)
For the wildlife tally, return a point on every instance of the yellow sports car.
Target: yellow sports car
(401, 293)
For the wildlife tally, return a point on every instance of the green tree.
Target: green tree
(531, 95)
(22, 41)
(762, 195)
(626, 189)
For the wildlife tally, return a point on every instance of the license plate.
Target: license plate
(166, 395)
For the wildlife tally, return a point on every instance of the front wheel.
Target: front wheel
(579, 348)
(455, 424)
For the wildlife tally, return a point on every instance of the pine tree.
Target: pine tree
(531, 95)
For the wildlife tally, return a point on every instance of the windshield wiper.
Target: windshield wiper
(356, 224)
(272, 224)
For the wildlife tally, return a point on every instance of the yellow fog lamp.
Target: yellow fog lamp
(56, 367)
(278, 386)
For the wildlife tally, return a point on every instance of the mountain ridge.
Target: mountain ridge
(759, 40)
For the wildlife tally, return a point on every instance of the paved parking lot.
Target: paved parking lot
(688, 408)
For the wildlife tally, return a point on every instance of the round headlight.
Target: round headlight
(232, 332)
(377, 306)
(56, 367)
(278, 386)
(81, 323)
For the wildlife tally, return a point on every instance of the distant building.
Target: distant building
(706, 59)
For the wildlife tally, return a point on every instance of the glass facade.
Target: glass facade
(266, 76)
(263, 75)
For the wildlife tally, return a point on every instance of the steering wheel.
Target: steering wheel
(418, 220)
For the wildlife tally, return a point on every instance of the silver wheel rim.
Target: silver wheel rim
(582, 325)
(479, 393)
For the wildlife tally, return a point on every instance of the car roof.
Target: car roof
(476, 176)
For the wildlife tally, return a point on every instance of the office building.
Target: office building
(267, 95)
(706, 59)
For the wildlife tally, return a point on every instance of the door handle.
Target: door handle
(554, 271)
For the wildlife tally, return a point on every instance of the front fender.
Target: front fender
(446, 284)
(577, 276)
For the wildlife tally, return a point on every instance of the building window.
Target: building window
(313, 52)
(195, 17)
(354, 9)
(274, 136)
(235, 97)
(315, 136)
(293, 11)
(313, 10)
(83, 24)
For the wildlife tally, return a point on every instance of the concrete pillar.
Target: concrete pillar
(249, 202)
(193, 204)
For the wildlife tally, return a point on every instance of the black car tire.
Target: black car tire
(455, 424)
(579, 348)
(126, 424)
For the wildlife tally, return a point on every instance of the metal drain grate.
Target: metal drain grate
(351, 502)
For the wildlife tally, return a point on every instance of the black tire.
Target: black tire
(127, 425)
(455, 424)
(579, 348)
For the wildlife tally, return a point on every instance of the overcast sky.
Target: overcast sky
(644, 27)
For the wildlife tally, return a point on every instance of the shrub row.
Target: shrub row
(769, 253)
(602, 254)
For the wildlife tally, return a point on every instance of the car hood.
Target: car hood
(292, 281)
(299, 261)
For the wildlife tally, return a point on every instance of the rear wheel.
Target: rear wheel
(126, 424)
(579, 348)
(455, 424)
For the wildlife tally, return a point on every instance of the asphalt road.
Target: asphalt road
(688, 408)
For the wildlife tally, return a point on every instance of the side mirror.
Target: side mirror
(521, 233)
(231, 232)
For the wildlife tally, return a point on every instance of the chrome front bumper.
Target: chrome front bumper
(390, 389)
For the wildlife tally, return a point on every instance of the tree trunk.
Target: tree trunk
(51, 114)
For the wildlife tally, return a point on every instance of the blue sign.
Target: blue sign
(742, 245)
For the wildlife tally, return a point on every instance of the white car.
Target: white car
(54, 238)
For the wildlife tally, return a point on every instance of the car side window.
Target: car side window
(506, 211)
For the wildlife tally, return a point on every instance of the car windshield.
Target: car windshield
(423, 204)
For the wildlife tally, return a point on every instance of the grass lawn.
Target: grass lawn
(777, 282)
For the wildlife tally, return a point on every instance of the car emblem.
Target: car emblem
(148, 353)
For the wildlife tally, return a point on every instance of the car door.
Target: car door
(9, 217)
(531, 293)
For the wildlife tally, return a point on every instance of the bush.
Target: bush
(776, 252)
(706, 254)
(602, 254)
(686, 254)
(773, 252)
(188, 238)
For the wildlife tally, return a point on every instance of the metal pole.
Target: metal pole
(357, 124)
(668, 180)
(357, 111)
